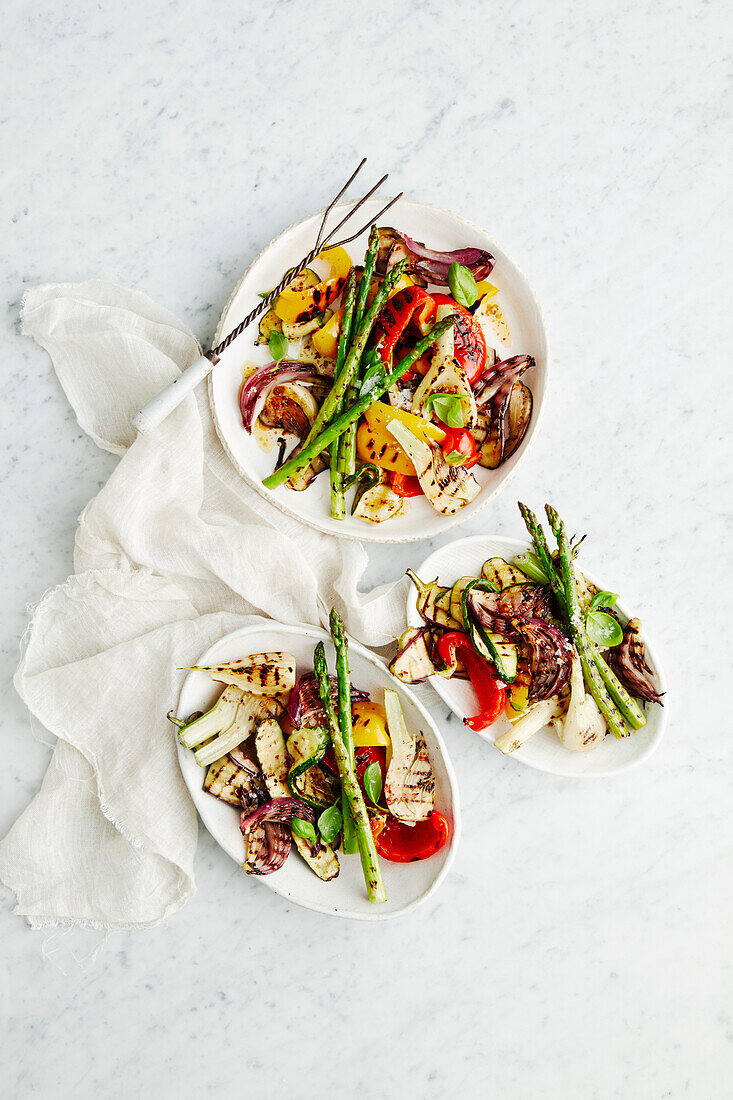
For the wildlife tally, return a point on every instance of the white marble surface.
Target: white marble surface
(580, 948)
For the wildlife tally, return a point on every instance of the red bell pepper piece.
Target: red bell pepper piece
(400, 843)
(461, 440)
(395, 316)
(406, 485)
(490, 690)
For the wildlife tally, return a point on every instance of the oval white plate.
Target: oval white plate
(441, 230)
(407, 884)
(544, 751)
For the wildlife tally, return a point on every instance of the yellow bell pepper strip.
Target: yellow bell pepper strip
(372, 445)
(375, 443)
(339, 261)
(326, 436)
(370, 724)
(380, 415)
(294, 307)
(326, 339)
(485, 290)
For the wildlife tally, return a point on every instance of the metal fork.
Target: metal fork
(169, 398)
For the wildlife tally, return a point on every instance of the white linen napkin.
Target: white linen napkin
(175, 551)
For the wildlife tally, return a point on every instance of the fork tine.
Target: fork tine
(372, 221)
(350, 213)
(329, 208)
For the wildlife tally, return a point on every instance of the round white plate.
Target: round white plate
(408, 884)
(464, 557)
(441, 230)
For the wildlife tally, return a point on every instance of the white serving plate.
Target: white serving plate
(544, 751)
(441, 230)
(408, 884)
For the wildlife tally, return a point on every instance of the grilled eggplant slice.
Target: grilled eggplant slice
(456, 599)
(409, 786)
(499, 436)
(434, 602)
(305, 328)
(500, 573)
(379, 503)
(273, 757)
(219, 718)
(314, 786)
(221, 780)
(413, 663)
(270, 323)
(259, 674)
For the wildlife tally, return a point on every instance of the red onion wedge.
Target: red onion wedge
(268, 846)
(434, 266)
(497, 381)
(257, 388)
(304, 706)
(282, 810)
(550, 660)
(628, 661)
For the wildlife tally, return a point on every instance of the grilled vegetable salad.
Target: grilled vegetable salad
(315, 763)
(389, 384)
(539, 643)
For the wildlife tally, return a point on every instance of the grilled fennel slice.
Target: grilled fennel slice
(273, 757)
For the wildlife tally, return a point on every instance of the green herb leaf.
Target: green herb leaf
(603, 599)
(462, 285)
(603, 629)
(373, 372)
(278, 345)
(330, 823)
(373, 781)
(448, 407)
(264, 293)
(530, 565)
(303, 829)
(455, 458)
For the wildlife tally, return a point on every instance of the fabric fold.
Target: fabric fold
(173, 552)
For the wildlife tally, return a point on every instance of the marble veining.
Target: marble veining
(580, 947)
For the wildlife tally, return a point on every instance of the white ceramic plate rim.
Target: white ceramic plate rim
(371, 533)
(431, 567)
(271, 881)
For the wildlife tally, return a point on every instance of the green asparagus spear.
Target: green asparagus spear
(593, 680)
(629, 708)
(351, 365)
(367, 849)
(351, 844)
(347, 443)
(349, 416)
(338, 508)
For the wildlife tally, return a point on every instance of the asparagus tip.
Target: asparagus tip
(337, 626)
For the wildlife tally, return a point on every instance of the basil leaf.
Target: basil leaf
(530, 565)
(603, 599)
(462, 285)
(265, 293)
(278, 345)
(330, 823)
(304, 829)
(448, 407)
(603, 629)
(374, 373)
(455, 458)
(373, 781)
